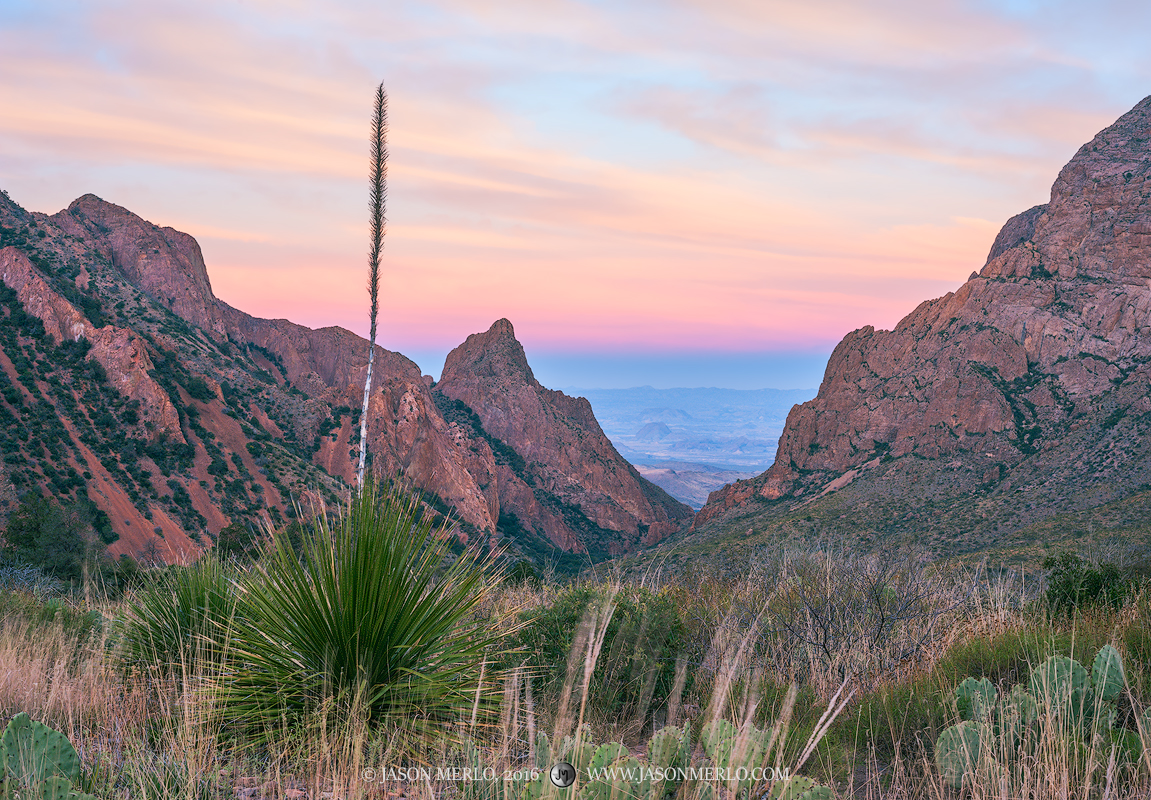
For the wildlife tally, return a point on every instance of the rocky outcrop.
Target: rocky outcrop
(1057, 321)
(118, 350)
(164, 263)
(406, 434)
(565, 455)
(257, 395)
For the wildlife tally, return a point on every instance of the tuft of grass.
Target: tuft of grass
(179, 618)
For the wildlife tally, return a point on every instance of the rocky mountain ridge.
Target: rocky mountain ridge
(1028, 388)
(212, 417)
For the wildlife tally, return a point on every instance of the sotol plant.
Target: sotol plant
(372, 617)
(377, 199)
(177, 621)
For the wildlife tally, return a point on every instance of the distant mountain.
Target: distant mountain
(691, 442)
(128, 387)
(1014, 412)
(653, 431)
(736, 428)
(689, 482)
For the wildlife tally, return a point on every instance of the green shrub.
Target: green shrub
(522, 572)
(636, 667)
(198, 389)
(180, 619)
(1075, 583)
(238, 541)
(50, 536)
(373, 615)
(39, 613)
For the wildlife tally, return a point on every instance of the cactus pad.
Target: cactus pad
(33, 753)
(1107, 672)
(957, 752)
(543, 751)
(667, 748)
(58, 788)
(817, 793)
(975, 698)
(607, 754)
(791, 789)
(718, 739)
(1060, 686)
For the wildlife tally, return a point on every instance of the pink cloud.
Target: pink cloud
(784, 204)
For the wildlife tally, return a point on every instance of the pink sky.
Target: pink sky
(627, 177)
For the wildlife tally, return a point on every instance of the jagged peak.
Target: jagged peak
(496, 353)
(502, 327)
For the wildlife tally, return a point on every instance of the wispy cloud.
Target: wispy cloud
(731, 174)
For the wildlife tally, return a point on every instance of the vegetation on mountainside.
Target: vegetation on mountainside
(530, 669)
(55, 400)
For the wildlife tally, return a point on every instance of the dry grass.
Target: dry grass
(143, 736)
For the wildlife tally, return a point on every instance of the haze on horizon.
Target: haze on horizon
(674, 194)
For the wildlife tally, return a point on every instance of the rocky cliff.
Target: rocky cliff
(565, 460)
(202, 416)
(1032, 379)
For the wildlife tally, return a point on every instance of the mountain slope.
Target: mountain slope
(1024, 394)
(565, 460)
(130, 384)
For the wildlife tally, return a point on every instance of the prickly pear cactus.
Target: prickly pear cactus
(1024, 701)
(631, 780)
(1060, 686)
(975, 698)
(607, 754)
(668, 747)
(58, 788)
(718, 738)
(1107, 673)
(33, 753)
(818, 793)
(579, 756)
(1017, 712)
(797, 787)
(543, 751)
(1105, 715)
(791, 789)
(957, 752)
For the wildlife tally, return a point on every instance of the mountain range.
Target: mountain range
(129, 389)
(1013, 413)
(693, 441)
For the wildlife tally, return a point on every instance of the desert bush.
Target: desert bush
(865, 617)
(38, 613)
(636, 670)
(56, 538)
(179, 620)
(371, 615)
(1075, 583)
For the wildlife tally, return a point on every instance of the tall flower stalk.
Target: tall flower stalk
(377, 200)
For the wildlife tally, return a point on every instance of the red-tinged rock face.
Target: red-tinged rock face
(564, 450)
(579, 494)
(118, 350)
(1057, 318)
